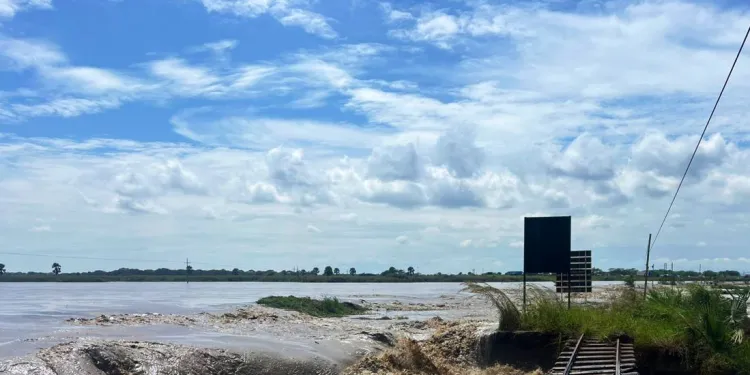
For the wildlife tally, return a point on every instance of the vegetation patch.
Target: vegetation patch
(327, 307)
(704, 327)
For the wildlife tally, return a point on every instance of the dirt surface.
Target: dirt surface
(142, 358)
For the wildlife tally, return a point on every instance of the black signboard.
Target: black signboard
(546, 244)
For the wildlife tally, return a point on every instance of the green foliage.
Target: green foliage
(2, 269)
(630, 281)
(56, 268)
(697, 323)
(328, 307)
(328, 271)
(352, 271)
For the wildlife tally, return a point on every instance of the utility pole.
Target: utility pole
(187, 270)
(645, 274)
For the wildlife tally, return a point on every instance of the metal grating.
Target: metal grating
(580, 274)
(592, 357)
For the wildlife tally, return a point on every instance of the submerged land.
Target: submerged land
(686, 329)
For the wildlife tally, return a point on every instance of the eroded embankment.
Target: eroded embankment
(142, 358)
(454, 349)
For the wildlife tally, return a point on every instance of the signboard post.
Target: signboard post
(546, 246)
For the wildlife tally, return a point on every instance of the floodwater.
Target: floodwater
(32, 314)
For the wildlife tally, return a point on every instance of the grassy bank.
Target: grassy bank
(696, 324)
(327, 307)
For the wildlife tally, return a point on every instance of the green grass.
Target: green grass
(696, 323)
(327, 307)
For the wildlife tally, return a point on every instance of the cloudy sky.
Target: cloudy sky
(272, 134)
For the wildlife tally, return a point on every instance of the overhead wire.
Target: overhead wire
(695, 151)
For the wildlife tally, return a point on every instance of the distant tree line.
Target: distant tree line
(331, 274)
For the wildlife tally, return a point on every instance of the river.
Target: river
(32, 315)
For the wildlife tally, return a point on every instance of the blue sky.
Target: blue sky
(297, 133)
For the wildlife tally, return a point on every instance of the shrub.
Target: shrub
(328, 307)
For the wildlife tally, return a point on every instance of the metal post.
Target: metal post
(570, 287)
(524, 291)
(645, 275)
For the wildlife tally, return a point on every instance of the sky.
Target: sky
(274, 134)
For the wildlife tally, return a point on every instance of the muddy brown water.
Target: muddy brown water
(194, 316)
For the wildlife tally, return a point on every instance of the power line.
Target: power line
(716, 104)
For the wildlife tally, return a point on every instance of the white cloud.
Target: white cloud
(402, 240)
(63, 107)
(25, 53)
(282, 10)
(466, 243)
(393, 15)
(311, 22)
(191, 80)
(526, 110)
(313, 229)
(585, 158)
(456, 150)
(41, 228)
(398, 162)
(9, 8)
(219, 47)
(137, 206)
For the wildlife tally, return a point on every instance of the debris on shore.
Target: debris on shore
(451, 350)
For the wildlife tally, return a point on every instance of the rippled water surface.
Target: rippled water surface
(30, 311)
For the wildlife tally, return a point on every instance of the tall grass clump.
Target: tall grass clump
(705, 327)
(327, 307)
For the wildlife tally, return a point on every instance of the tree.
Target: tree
(328, 271)
(410, 270)
(189, 270)
(2, 269)
(236, 271)
(352, 271)
(336, 271)
(56, 268)
(315, 271)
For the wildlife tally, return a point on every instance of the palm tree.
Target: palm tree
(410, 270)
(56, 268)
(336, 271)
(2, 269)
(352, 271)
